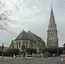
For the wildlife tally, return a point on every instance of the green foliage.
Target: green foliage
(11, 52)
(53, 50)
(0, 52)
(30, 51)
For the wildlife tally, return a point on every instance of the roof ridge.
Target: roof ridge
(34, 34)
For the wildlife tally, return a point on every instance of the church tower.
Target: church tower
(52, 37)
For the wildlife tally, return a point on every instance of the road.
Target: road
(50, 60)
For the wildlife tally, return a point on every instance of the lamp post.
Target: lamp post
(57, 51)
(2, 49)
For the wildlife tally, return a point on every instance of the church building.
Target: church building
(29, 40)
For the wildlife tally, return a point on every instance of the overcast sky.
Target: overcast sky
(34, 15)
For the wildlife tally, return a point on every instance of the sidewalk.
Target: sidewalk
(6, 57)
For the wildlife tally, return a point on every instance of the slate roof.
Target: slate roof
(29, 36)
(37, 38)
(24, 36)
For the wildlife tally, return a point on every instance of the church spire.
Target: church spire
(52, 19)
(52, 24)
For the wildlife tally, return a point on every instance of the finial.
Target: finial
(23, 29)
(51, 8)
(29, 31)
(51, 5)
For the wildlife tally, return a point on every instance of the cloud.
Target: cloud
(34, 15)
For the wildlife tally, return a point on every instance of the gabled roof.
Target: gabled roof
(37, 38)
(24, 36)
(29, 36)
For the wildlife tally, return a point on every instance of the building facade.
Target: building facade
(29, 40)
(52, 33)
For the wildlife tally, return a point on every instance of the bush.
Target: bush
(0, 52)
(30, 51)
(11, 52)
(53, 51)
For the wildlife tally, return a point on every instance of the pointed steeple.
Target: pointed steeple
(52, 19)
(52, 24)
(52, 38)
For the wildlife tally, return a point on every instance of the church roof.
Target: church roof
(37, 38)
(29, 36)
(24, 36)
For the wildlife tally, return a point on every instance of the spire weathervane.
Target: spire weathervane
(23, 29)
(51, 5)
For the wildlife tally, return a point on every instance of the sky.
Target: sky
(33, 15)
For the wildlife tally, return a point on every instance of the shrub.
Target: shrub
(11, 52)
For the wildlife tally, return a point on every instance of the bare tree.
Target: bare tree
(4, 16)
